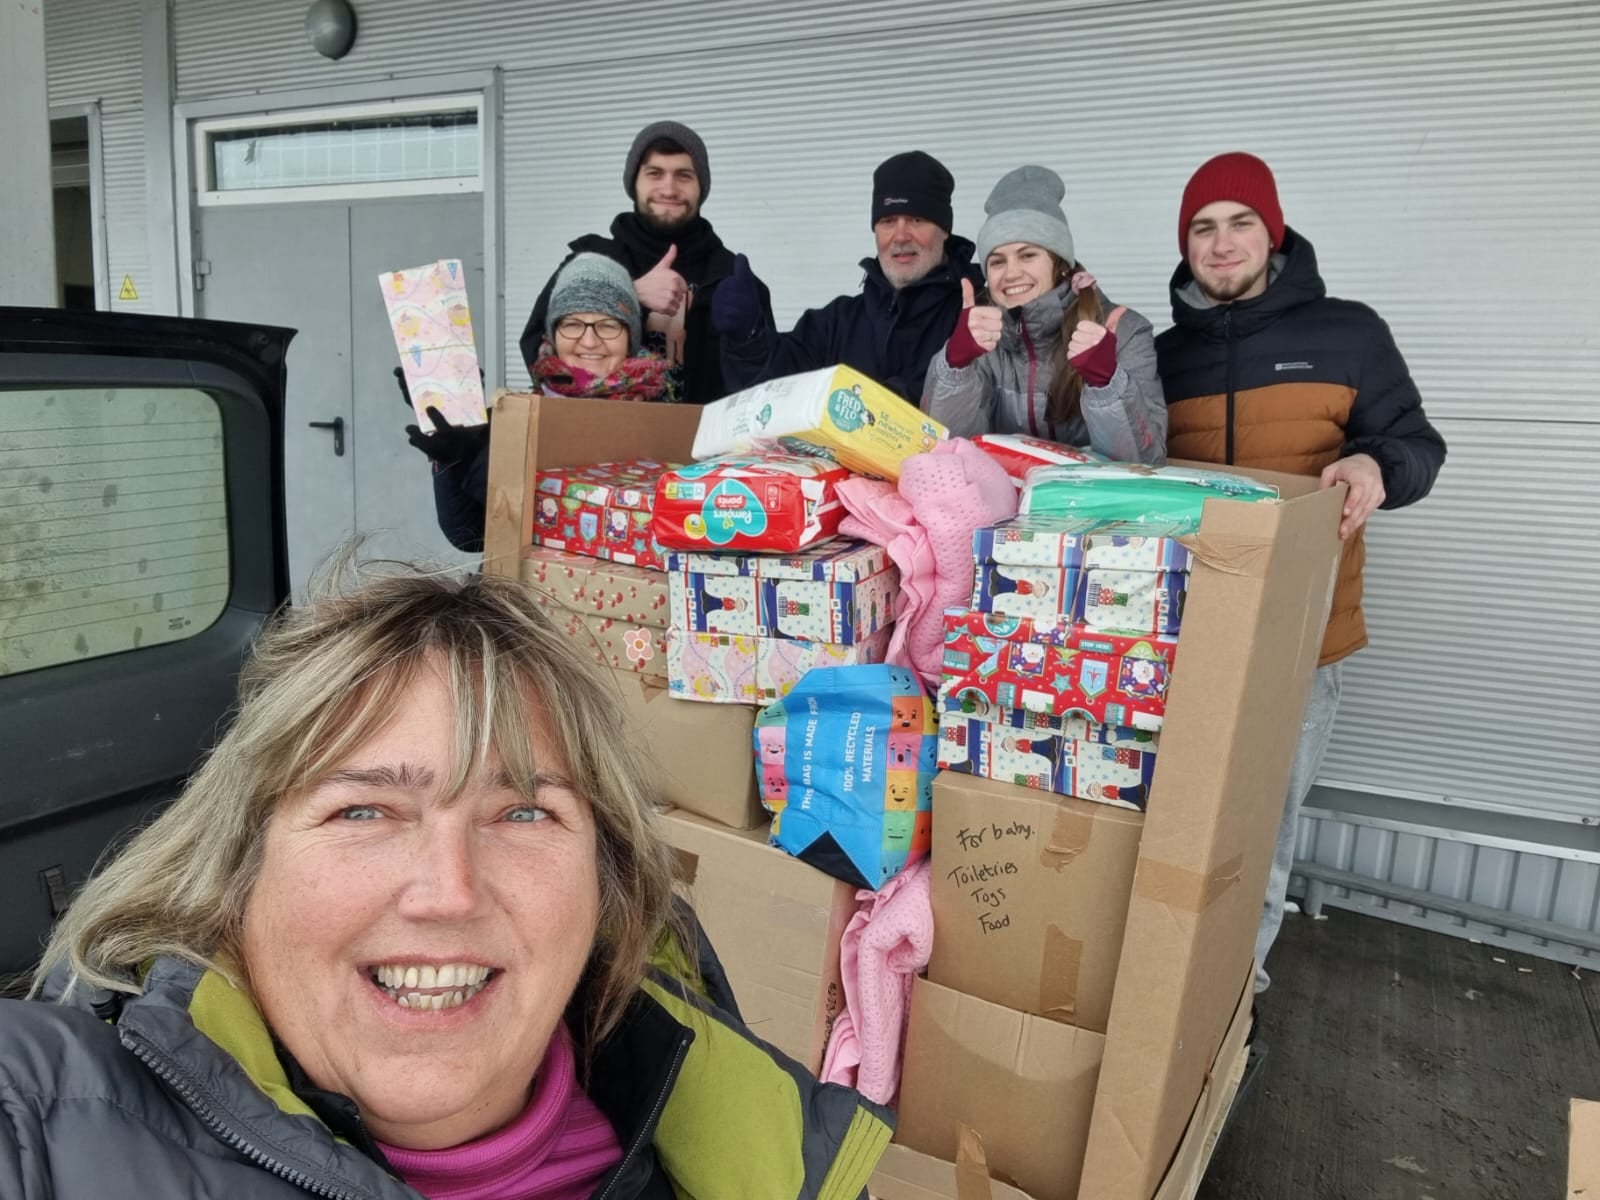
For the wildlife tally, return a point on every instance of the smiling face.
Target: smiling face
(1229, 251)
(667, 191)
(1019, 272)
(415, 951)
(597, 342)
(908, 248)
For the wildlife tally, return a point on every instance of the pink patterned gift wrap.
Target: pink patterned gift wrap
(735, 669)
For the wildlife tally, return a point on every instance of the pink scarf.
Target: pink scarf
(558, 1149)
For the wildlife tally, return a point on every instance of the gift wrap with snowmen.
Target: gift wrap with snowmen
(846, 762)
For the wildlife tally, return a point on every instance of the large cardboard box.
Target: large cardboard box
(704, 754)
(1024, 1084)
(1583, 1156)
(775, 923)
(1260, 587)
(1030, 897)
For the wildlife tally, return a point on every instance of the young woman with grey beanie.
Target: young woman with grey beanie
(1045, 354)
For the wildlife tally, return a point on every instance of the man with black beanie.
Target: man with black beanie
(908, 305)
(674, 257)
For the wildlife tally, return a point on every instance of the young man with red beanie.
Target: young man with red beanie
(1263, 368)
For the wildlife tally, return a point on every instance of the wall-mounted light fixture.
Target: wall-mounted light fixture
(331, 27)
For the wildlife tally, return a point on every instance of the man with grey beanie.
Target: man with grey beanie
(1046, 354)
(673, 256)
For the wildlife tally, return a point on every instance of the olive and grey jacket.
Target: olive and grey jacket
(1007, 390)
(181, 1091)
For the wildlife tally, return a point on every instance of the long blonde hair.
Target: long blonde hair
(321, 681)
(1066, 385)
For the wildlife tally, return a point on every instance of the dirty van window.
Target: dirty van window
(113, 522)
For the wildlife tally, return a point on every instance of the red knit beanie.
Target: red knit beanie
(1242, 178)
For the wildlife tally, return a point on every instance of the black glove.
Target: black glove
(448, 443)
(736, 304)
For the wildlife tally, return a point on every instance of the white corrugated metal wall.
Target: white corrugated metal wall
(92, 51)
(1442, 156)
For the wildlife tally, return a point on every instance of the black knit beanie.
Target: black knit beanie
(913, 184)
(672, 131)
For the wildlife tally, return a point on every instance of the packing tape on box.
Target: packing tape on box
(1069, 837)
(1232, 554)
(972, 1165)
(1058, 974)
(1186, 891)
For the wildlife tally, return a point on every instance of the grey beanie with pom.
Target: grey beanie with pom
(593, 283)
(1025, 206)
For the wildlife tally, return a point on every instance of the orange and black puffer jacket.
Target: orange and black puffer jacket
(1290, 381)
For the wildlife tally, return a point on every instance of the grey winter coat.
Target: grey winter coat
(1007, 389)
(181, 1092)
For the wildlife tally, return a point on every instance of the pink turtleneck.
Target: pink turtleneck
(558, 1149)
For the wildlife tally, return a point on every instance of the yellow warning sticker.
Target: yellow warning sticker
(128, 292)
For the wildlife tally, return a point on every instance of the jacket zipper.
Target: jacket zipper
(1033, 375)
(647, 1130)
(1227, 332)
(174, 1079)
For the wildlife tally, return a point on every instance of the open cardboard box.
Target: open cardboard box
(704, 750)
(775, 923)
(1258, 601)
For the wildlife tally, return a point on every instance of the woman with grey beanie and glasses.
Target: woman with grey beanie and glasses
(592, 349)
(1046, 354)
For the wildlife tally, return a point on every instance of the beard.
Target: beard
(656, 223)
(904, 276)
(1228, 289)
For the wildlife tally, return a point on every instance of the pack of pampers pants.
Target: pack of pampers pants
(846, 764)
(836, 413)
(1018, 453)
(776, 503)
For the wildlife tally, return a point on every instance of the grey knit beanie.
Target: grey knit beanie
(671, 130)
(594, 283)
(1025, 206)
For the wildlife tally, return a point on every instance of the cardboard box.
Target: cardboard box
(602, 510)
(618, 610)
(841, 591)
(1030, 897)
(775, 923)
(1112, 678)
(1070, 756)
(1024, 1084)
(701, 752)
(836, 412)
(733, 669)
(1259, 591)
(905, 1174)
(531, 433)
(1583, 1155)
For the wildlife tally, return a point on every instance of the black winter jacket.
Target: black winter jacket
(702, 260)
(887, 334)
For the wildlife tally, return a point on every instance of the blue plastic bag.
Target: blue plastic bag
(846, 763)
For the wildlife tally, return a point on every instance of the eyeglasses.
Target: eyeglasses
(607, 329)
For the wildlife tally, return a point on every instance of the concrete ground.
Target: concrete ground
(1407, 1065)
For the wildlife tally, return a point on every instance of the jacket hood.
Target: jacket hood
(1296, 281)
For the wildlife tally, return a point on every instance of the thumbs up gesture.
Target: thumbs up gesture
(1092, 348)
(977, 331)
(661, 289)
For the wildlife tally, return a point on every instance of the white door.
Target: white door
(314, 267)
